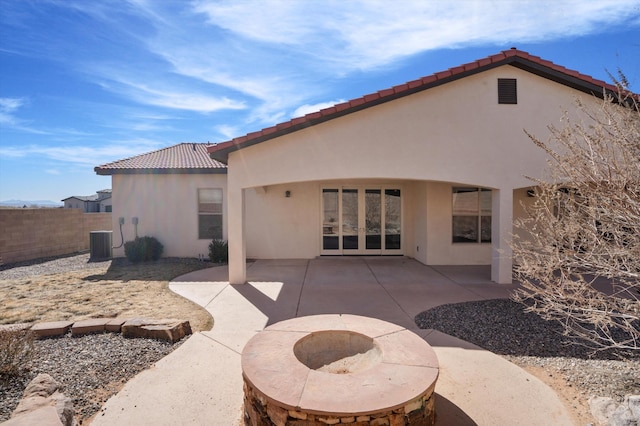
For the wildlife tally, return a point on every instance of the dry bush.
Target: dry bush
(579, 262)
(16, 350)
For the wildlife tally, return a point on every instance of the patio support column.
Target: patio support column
(501, 234)
(236, 236)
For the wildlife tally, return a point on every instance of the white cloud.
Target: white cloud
(307, 109)
(8, 119)
(227, 131)
(348, 35)
(159, 94)
(84, 155)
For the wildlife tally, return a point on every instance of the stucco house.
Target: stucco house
(434, 169)
(96, 203)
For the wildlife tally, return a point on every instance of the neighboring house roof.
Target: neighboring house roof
(514, 57)
(183, 158)
(83, 197)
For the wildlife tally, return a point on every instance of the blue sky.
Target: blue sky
(84, 83)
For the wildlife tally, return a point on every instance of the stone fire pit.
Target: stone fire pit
(338, 369)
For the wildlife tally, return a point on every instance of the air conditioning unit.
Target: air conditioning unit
(100, 245)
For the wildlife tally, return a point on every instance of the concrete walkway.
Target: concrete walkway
(200, 383)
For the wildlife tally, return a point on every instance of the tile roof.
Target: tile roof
(83, 197)
(181, 158)
(517, 58)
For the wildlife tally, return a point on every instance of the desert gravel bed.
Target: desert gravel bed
(47, 266)
(502, 327)
(91, 368)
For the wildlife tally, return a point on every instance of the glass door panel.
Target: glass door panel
(350, 223)
(330, 219)
(373, 219)
(392, 219)
(361, 220)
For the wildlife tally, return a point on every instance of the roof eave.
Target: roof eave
(222, 154)
(159, 171)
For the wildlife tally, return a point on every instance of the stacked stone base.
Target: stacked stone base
(261, 411)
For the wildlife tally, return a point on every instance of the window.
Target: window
(210, 214)
(471, 215)
(507, 91)
(108, 209)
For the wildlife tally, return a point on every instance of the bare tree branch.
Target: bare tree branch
(578, 252)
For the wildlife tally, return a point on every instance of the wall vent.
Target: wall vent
(507, 91)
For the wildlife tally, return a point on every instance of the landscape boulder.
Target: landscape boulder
(162, 329)
(40, 396)
(609, 413)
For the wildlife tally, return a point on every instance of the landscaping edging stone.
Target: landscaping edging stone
(170, 330)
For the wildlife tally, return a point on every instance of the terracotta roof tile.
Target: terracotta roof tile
(511, 56)
(414, 83)
(371, 97)
(342, 106)
(184, 156)
(400, 88)
(428, 79)
(443, 74)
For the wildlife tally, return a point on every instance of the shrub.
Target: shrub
(219, 251)
(16, 350)
(143, 249)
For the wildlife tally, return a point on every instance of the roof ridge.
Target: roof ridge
(155, 151)
(184, 156)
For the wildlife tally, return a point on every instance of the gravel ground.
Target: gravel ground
(502, 327)
(51, 265)
(90, 368)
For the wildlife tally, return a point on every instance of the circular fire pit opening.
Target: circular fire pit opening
(337, 352)
(338, 369)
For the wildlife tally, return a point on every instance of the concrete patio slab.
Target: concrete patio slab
(194, 385)
(201, 382)
(489, 389)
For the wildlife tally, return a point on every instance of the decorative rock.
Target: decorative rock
(94, 325)
(602, 408)
(633, 401)
(42, 392)
(607, 412)
(51, 329)
(43, 416)
(622, 417)
(115, 324)
(163, 329)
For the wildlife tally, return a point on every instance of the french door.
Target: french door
(360, 220)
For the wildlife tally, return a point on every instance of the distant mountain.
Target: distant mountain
(31, 203)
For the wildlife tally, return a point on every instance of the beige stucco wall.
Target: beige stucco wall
(281, 227)
(166, 206)
(446, 136)
(454, 133)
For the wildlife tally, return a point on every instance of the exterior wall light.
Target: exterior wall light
(287, 194)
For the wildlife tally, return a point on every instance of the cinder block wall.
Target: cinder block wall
(27, 234)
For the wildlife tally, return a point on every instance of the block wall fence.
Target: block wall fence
(27, 234)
